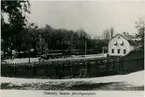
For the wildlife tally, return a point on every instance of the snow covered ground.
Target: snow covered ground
(135, 79)
(126, 82)
(21, 60)
(26, 60)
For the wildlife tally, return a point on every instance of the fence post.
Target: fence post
(14, 70)
(56, 71)
(34, 70)
(114, 61)
(73, 70)
(121, 65)
(108, 63)
(47, 70)
(88, 69)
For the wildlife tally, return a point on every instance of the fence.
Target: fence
(65, 69)
(73, 68)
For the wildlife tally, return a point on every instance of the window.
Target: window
(112, 50)
(124, 51)
(122, 43)
(118, 37)
(115, 43)
(118, 51)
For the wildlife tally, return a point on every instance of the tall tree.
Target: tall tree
(13, 19)
(140, 25)
(13, 16)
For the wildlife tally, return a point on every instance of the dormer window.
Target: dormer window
(122, 43)
(118, 36)
(115, 43)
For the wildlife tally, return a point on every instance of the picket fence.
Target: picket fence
(70, 68)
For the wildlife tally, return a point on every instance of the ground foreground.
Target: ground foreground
(132, 81)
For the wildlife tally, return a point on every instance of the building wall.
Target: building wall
(118, 39)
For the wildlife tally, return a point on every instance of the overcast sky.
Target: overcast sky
(94, 16)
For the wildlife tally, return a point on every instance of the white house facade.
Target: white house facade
(120, 45)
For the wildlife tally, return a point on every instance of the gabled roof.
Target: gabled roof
(128, 37)
(131, 42)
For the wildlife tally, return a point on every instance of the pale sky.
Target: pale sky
(92, 16)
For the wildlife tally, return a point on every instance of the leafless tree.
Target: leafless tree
(106, 34)
(112, 32)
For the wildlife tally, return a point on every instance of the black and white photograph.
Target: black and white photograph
(72, 48)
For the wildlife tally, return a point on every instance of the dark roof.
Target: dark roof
(131, 42)
(105, 47)
(127, 37)
(135, 54)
